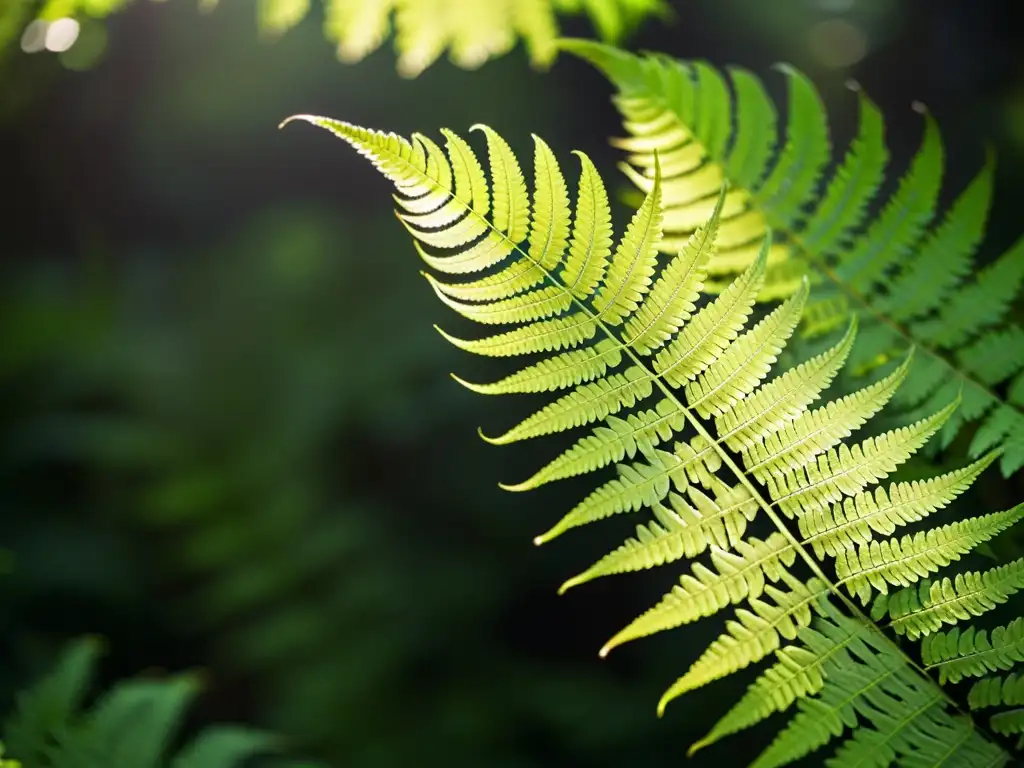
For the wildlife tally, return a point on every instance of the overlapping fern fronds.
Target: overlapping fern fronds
(682, 400)
(132, 724)
(470, 31)
(905, 267)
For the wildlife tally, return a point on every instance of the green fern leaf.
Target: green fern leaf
(685, 530)
(907, 271)
(970, 653)
(738, 575)
(814, 432)
(798, 673)
(784, 399)
(566, 370)
(895, 714)
(672, 299)
(906, 560)
(222, 746)
(1008, 722)
(755, 634)
(843, 526)
(808, 490)
(644, 353)
(640, 431)
(921, 611)
(997, 691)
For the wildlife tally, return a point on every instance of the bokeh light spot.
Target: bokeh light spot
(33, 39)
(61, 35)
(838, 43)
(88, 50)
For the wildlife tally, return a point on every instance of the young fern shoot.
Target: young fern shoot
(676, 389)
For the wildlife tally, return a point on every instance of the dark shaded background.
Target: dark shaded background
(228, 436)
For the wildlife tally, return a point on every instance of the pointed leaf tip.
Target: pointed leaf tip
(515, 487)
(312, 119)
(500, 440)
(552, 533)
(575, 581)
(478, 388)
(697, 746)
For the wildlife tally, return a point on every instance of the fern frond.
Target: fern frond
(896, 714)
(843, 526)
(657, 362)
(798, 672)
(673, 297)
(620, 438)
(783, 400)
(923, 610)
(997, 691)
(755, 634)
(738, 575)
(1008, 722)
(712, 329)
(971, 653)
(849, 470)
(685, 530)
(566, 370)
(791, 448)
(904, 561)
(907, 271)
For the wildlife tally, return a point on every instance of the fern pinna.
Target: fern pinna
(906, 270)
(709, 442)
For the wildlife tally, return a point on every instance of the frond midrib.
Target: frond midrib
(698, 426)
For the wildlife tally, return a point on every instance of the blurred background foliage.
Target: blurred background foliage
(422, 30)
(228, 437)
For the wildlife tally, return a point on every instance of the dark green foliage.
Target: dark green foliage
(132, 725)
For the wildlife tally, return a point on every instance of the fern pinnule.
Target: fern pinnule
(907, 270)
(704, 432)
